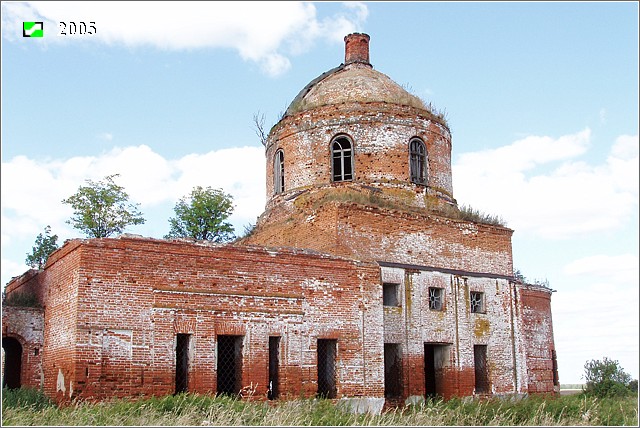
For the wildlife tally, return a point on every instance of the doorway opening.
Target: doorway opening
(12, 362)
(392, 370)
(229, 365)
(327, 368)
(436, 357)
(182, 363)
(274, 363)
(481, 369)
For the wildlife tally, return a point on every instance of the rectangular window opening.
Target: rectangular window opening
(229, 366)
(327, 368)
(390, 294)
(436, 298)
(477, 301)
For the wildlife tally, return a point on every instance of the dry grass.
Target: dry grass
(30, 408)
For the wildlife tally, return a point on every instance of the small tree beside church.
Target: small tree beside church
(43, 247)
(606, 378)
(102, 208)
(202, 215)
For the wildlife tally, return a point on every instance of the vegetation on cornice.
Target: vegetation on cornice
(378, 199)
(21, 299)
(468, 213)
(440, 115)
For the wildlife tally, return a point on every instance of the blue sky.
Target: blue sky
(541, 99)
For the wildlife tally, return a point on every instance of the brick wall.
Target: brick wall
(25, 325)
(537, 332)
(455, 329)
(380, 133)
(372, 233)
(116, 305)
(114, 308)
(60, 281)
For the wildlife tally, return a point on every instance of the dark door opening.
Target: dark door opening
(182, 363)
(430, 384)
(327, 368)
(436, 357)
(12, 362)
(229, 365)
(481, 368)
(274, 362)
(392, 370)
(554, 366)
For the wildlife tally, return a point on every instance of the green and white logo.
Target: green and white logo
(33, 29)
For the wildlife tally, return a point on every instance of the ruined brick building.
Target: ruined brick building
(360, 281)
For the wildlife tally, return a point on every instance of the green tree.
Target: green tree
(102, 208)
(44, 246)
(202, 215)
(606, 379)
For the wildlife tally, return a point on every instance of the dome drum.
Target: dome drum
(380, 136)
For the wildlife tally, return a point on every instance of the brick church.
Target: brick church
(361, 280)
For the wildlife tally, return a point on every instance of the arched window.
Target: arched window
(418, 161)
(278, 172)
(342, 159)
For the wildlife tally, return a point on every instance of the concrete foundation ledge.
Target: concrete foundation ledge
(513, 397)
(414, 400)
(362, 405)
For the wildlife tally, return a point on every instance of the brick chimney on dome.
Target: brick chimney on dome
(356, 48)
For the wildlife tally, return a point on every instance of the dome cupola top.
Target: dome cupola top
(354, 81)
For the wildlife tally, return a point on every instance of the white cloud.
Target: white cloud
(106, 136)
(620, 269)
(603, 116)
(541, 187)
(264, 32)
(32, 190)
(10, 268)
(597, 316)
(147, 177)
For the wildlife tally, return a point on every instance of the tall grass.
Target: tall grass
(29, 407)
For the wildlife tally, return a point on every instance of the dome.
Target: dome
(353, 129)
(355, 81)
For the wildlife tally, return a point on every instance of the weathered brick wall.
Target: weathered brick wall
(380, 133)
(26, 326)
(26, 285)
(413, 324)
(537, 332)
(115, 306)
(356, 48)
(374, 233)
(134, 295)
(60, 280)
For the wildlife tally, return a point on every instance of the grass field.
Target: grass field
(30, 407)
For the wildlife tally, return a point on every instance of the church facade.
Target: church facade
(360, 281)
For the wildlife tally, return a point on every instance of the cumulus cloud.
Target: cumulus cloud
(541, 186)
(262, 32)
(608, 291)
(159, 181)
(622, 268)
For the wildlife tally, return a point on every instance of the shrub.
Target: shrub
(607, 379)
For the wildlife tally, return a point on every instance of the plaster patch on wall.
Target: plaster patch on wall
(60, 382)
